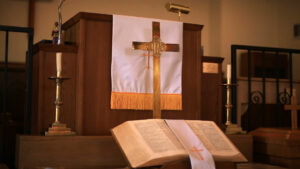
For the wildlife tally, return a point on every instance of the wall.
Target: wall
(14, 13)
(226, 22)
(259, 23)
(143, 8)
(285, 29)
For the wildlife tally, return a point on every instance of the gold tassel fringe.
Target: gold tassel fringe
(143, 101)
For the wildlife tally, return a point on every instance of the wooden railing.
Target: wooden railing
(263, 72)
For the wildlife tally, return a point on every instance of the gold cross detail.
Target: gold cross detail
(294, 108)
(156, 46)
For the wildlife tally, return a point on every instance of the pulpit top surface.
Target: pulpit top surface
(105, 17)
(48, 46)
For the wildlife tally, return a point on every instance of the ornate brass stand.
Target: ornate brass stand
(58, 128)
(230, 127)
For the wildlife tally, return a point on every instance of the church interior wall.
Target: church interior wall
(146, 8)
(14, 13)
(226, 22)
(285, 27)
(259, 23)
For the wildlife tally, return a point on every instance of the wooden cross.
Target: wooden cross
(294, 108)
(198, 151)
(156, 46)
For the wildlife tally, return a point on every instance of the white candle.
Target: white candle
(228, 74)
(58, 63)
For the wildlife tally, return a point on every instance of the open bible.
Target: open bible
(151, 142)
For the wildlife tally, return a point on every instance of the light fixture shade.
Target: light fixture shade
(177, 8)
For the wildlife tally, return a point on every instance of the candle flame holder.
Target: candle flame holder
(230, 127)
(57, 127)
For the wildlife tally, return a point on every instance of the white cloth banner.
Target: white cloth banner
(200, 157)
(129, 71)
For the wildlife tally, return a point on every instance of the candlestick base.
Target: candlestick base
(234, 129)
(228, 123)
(59, 129)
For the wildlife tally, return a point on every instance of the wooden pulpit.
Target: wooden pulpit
(83, 152)
(86, 95)
(211, 90)
(93, 35)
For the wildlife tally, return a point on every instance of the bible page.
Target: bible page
(131, 144)
(215, 141)
(157, 136)
(148, 142)
(160, 140)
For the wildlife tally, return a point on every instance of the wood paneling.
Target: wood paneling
(16, 85)
(88, 95)
(12, 120)
(244, 142)
(270, 65)
(274, 116)
(212, 92)
(43, 109)
(186, 164)
(277, 146)
(80, 152)
(93, 35)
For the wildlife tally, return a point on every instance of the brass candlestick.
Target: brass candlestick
(57, 127)
(230, 127)
(228, 104)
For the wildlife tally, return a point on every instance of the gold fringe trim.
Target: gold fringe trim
(143, 101)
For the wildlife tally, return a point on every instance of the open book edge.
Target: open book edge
(139, 154)
(128, 151)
